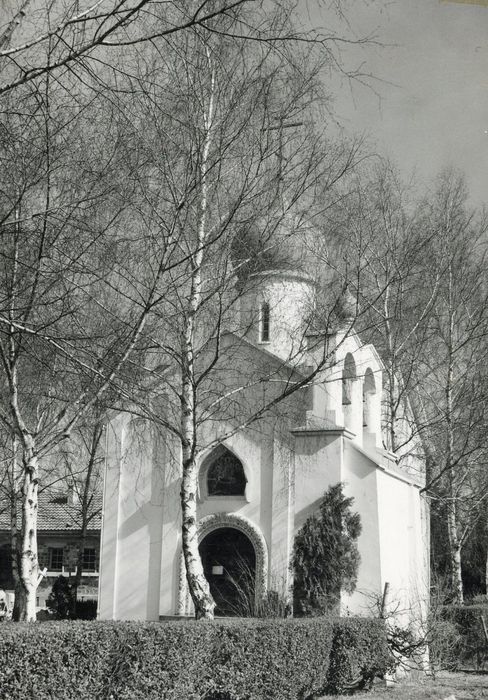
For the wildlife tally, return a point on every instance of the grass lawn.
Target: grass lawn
(445, 686)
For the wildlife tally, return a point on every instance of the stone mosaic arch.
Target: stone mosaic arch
(215, 521)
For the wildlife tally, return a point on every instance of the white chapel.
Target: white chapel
(258, 486)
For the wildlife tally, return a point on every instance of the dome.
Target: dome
(271, 245)
(346, 309)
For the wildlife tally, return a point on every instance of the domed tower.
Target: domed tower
(346, 307)
(274, 265)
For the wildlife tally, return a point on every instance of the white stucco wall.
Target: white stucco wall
(318, 465)
(393, 544)
(359, 475)
(404, 545)
(132, 525)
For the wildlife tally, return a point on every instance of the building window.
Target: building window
(265, 322)
(225, 476)
(89, 559)
(6, 580)
(56, 558)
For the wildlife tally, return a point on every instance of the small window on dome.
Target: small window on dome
(265, 322)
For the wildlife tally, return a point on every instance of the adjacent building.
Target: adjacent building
(58, 544)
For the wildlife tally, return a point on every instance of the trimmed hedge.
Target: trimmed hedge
(235, 660)
(359, 653)
(260, 659)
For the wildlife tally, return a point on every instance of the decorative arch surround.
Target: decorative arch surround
(215, 521)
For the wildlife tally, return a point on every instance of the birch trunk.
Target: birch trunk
(29, 568)
(390, 369)
(28, 563)
(486, 573)
(19, 603)
(19, 611)
(452, 515)
(455, 556)
(197, 583)
(79, 563)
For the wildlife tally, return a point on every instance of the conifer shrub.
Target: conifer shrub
(61, 599)
(231, 660)
(325, 556)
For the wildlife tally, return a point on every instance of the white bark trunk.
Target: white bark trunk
(390, 368)
(29, 567)
(486, 573)
(197, 583)
(455, 556)
(19, 611)
(452, 514)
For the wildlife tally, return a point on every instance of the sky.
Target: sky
(431, 106)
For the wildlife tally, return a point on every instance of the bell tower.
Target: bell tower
(278, 291)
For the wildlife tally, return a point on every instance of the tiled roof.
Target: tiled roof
(54, 513)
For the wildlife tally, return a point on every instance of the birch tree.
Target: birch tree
(80, 37)
(232, 148)
(452, 393)
(385, 245)
(61, 344)
(39, 39)
(417, 264)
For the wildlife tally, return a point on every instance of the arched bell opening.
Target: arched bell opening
(369, 395)
(349, 378)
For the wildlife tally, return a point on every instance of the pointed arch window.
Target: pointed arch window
(265, 322)
(225, 476)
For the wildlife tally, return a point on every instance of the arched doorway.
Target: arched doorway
(229, 562)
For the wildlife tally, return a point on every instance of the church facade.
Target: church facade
(258, 486)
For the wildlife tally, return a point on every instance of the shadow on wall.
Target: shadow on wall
(302, 515)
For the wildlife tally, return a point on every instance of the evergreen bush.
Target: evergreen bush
(61, 600)
(325, 556)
